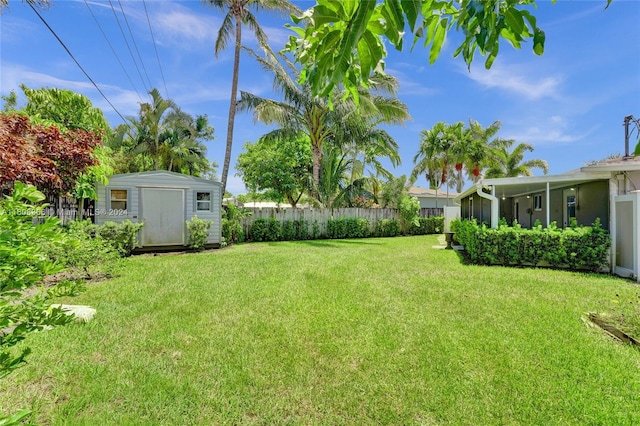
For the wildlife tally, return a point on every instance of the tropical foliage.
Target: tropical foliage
(344, 140)
(506, 163)
(281, 166)
(163, 137)
(43, 155)
(343, 43)
(71, 113)
(237, 14)
(446, 150)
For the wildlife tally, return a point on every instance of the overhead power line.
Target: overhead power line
(144, 3)
(133, 39)
(76, 61)
(113, 50)
(129, 47)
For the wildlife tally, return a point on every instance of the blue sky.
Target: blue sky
(569, 103)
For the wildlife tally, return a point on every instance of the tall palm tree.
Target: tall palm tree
(435, 156)
(507, 163)
(300, 111)
(237, 13)
(478, 148)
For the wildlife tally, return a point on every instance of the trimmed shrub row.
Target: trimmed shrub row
(291, 230)
(578, 247)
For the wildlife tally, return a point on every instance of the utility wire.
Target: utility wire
(128, 47)
(135, 44)
(113, 50)
(74, 60)
(144, 3)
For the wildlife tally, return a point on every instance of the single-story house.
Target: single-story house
(608, 190)
(432, 198)
(164, 201)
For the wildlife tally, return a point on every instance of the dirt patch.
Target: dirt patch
(612, 330)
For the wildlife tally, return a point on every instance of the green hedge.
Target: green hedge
(265, 230)
(427, 226)
(573, 248)
(291, 230)
(347, 227)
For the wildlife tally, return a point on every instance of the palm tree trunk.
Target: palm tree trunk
(316, 169)
(232, 104)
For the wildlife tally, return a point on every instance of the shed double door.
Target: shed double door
(163, 215)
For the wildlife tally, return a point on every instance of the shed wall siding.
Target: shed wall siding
(134, 181)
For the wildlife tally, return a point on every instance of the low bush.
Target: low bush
(348, 228)
(265, 230)
(122, 236)
(199, 230)
(232, 231)
(387, 228)
(83, 251)
(574, 248)
(293, 230)
(427, 225)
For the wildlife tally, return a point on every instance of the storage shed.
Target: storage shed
(163, 201)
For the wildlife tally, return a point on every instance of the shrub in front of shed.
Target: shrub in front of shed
(199, 230)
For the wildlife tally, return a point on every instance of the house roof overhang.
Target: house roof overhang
(524, 185)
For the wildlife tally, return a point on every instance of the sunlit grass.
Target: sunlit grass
(377, 331)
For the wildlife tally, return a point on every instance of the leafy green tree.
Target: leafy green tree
(340, 123)
(393, 191)
(69, 112)
(279, 165)
(343, 42)
(66, 109)
(509, 163)
(237, 13)
(24, 263)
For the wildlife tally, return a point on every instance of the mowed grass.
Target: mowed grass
(376, 331)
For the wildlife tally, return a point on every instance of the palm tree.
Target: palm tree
(341, 124)
(435, 155)
(182, 148)
(238, 12)
(144, 132)
(505, 163)
(478, 148)
(162, 137)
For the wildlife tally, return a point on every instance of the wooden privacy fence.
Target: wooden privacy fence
(320, 217)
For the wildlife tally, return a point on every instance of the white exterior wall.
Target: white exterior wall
(430, 201)
(134, 182)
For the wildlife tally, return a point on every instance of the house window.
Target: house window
(203, 201)
(118, 199)
(537, 202)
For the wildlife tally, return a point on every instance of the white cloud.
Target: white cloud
(555, 129)
(177, 25)
(516, 79)
(410, 86)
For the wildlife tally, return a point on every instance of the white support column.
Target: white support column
(548, 205)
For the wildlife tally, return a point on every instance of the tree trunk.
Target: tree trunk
(232, 104)
(316, 168)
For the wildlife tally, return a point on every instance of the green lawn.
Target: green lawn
(376, 331)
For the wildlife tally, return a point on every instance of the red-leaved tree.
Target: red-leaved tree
(42, 155)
